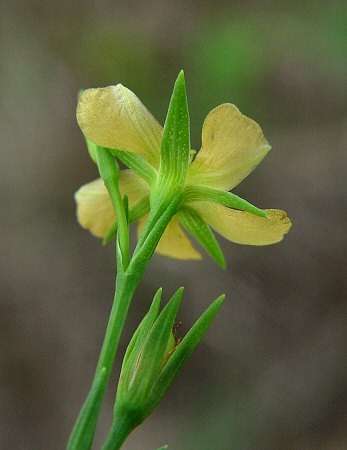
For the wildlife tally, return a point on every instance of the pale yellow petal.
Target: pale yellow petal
(232, 146)
(133, 186)
(94, 208)
(242, 227)
(114, 117)
(174, 242)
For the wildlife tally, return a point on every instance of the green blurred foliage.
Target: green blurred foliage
(258, 60)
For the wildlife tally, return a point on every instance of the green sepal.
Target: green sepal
(154, 350)
(136, 344)
(164, 447)
(182, 353)
(83, 433)
(208, 194)
(195, 225)
(175, 146)
(137, 164)
(143, 329)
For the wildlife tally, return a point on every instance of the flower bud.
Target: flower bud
(152, 361)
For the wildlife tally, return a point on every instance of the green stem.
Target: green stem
(126, 284)
(119, 432)
(84, 429)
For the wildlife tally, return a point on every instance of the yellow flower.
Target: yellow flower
(232, 146)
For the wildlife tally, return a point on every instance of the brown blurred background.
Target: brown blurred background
(271, 372)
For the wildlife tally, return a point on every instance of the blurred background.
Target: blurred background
(271, 372)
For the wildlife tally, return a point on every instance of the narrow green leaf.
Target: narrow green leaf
(175, 147)
(182, 353)
(109, 172)
(138, 164)
(194, 224)
(83, 433)
(153, 352)
(208, 194)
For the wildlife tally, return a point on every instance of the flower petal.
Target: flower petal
(232, 146)
(174, 242)
(94, 208)
(114, 117)
(242, 227)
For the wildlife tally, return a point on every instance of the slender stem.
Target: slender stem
(126, 284)
(118, 434)
(123, 295)
(84, 429)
